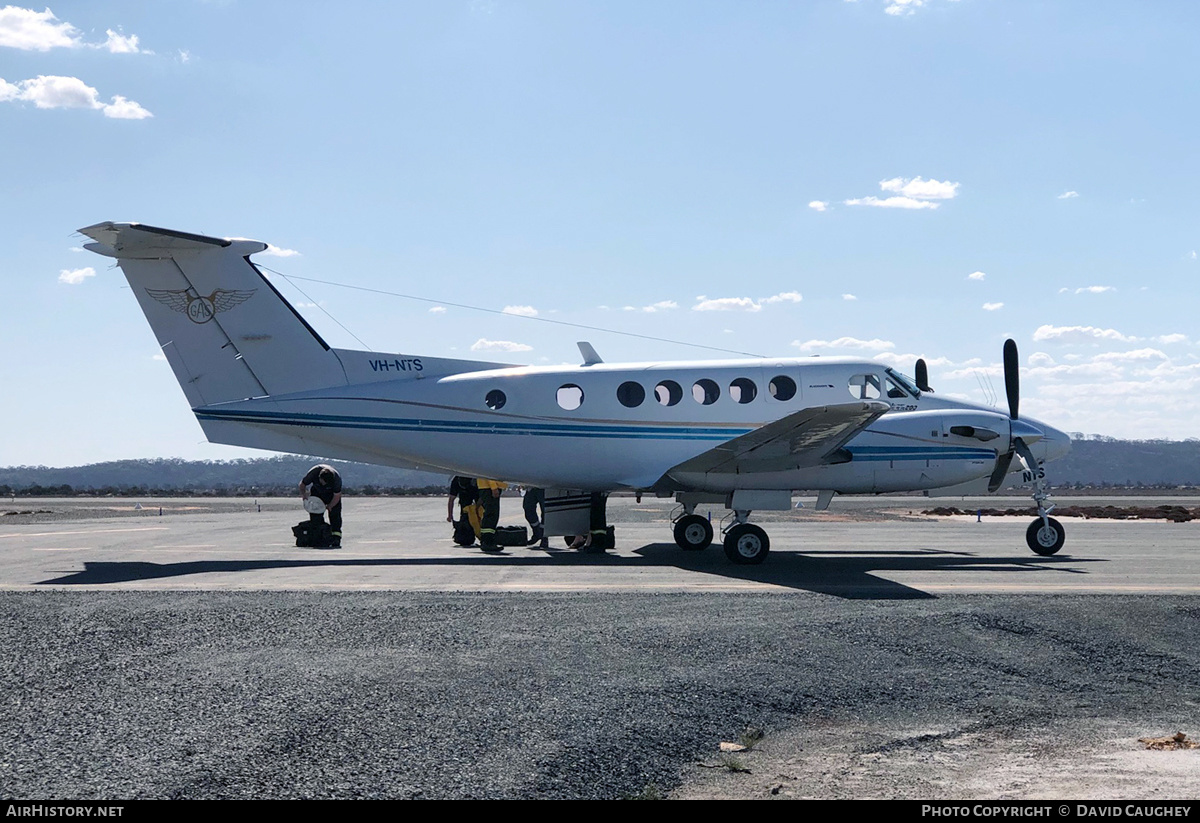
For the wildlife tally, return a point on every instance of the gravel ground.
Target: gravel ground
(402, 695)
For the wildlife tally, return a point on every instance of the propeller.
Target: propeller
(1021, 434)
(922, 375)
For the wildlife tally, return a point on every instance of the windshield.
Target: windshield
(906, 382)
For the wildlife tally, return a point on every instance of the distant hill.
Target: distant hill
(1093, 462)
(262, 476)
(1104, 461)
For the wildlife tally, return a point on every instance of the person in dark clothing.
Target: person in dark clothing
(464, 490)
(323, 482)
(534, 504)
(489, 497)
(596, 540)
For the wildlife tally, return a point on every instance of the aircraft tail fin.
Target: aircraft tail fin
(226, 331)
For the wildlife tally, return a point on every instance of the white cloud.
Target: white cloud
(1040, 358)
(1191, 255)
(726, 304)
(118, 43)
(1067, 195)
(976, 275)
(920, 189)
(785, 297)
(184, 56)
(275, 251)
(55, 92)
(891, 203)
(1136, 354)
(818, 205)
(661, 305)
(1078, 334)
(437, 310)
(910, 193)
(992, 306)
(521, 311)
(844, 343)
(1094, 289)
(898, 8)
(849, 297)
(30, 30)
(75, 276)
(1168, 339)
(483, 344)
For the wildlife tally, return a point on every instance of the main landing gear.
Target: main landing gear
(744, 543)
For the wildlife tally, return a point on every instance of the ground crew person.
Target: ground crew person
(323, 481)
(534, 504)
(464, 490)
(489, 497)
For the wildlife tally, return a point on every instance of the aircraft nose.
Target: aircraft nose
(1056, 443)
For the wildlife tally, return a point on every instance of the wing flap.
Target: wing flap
(800, 440)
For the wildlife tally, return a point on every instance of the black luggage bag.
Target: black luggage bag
(313, 535)
(464, 532)
(512, 535)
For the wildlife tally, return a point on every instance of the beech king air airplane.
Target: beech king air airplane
(743, 433)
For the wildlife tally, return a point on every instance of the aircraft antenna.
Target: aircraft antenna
(319, 306)
(291, 277)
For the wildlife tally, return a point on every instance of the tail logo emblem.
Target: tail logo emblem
(197, 307)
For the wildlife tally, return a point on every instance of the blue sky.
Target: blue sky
(879, 178)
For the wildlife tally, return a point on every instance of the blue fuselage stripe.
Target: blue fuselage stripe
(703, 434)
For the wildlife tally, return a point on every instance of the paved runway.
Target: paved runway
(876, 548)
(200, 654)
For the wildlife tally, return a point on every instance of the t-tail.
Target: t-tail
(229, 334)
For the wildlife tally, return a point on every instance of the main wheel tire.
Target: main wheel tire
(693, 533)
(1045, 540)
(746, 544)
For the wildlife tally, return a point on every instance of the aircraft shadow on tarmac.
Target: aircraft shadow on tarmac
(852, 576)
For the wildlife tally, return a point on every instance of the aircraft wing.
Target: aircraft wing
(801, 440)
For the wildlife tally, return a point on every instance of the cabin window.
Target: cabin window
(864, 386)
(495, 399)
(705, 392)
(631, 394)
(668, 393)
(782, 387)
(570, 396)
(743, 390)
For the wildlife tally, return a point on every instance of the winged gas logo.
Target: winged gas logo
(197, 307)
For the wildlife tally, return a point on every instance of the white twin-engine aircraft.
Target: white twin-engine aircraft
(742, 433)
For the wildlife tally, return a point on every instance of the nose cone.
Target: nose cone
(1054, 443)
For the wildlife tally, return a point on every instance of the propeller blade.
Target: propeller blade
(922, 375)
(998, 473)
(1012, 381)
(1022, 448)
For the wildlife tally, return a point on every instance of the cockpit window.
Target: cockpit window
(906, 383)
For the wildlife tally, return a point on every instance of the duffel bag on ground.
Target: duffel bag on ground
(464, 532)
(512, 535)
(313, 535)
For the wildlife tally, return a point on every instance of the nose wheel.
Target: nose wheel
(1045, 536)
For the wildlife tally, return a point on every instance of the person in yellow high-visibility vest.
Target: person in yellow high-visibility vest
(489, 496)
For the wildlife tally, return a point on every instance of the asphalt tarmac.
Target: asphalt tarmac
(199, 653)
